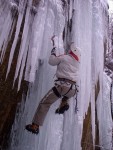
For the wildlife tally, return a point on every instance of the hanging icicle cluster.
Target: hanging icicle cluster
(82, 22)
(34, 27)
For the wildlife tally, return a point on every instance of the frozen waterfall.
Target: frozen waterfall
(85, 23)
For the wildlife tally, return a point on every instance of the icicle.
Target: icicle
(5, 31)
(24, 58)
(104, 115)
(28, 65)
(6, 40)
(28, 61)
(37, 42)
(23, 65)
(23, 44)
(14, 42)
(4, 11)
(19, 22)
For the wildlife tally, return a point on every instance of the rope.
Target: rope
(76, 104)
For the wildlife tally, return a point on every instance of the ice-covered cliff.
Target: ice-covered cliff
(86, 24)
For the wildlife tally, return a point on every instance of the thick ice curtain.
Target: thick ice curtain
(64, 132)
(104, 115)
(49, 12)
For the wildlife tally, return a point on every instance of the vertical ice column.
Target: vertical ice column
(6, 25)
(24, 44)
(97, 57)
(54, 8)
(51, 132)
(104, 115)
(62, 132)
(82, 36)
(22, 5)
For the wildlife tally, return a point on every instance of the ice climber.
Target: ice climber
(65, 86)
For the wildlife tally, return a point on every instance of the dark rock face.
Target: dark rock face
(9, 98)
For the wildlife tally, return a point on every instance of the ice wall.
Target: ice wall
(104, 115)
(87, 20)
(6, 26)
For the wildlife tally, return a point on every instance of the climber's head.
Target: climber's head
(75, 52)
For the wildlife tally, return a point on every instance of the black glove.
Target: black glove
(53, 51)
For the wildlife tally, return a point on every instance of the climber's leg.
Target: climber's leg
(41, 111)
(67, 91)
(64, 106)
(44, 106)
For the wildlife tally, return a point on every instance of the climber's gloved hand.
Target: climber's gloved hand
(53, 51)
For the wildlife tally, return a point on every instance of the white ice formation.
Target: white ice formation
(85, 23)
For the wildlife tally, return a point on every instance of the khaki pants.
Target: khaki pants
(50, 98)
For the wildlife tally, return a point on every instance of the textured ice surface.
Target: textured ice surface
(88, 31)
(104, 115)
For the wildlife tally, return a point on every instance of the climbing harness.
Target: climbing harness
(62, 81)
(66, 81)
(56, 92)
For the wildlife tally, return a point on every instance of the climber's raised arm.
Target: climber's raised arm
(53, 59)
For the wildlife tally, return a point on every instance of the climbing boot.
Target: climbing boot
(62, 109)
(34, 128)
